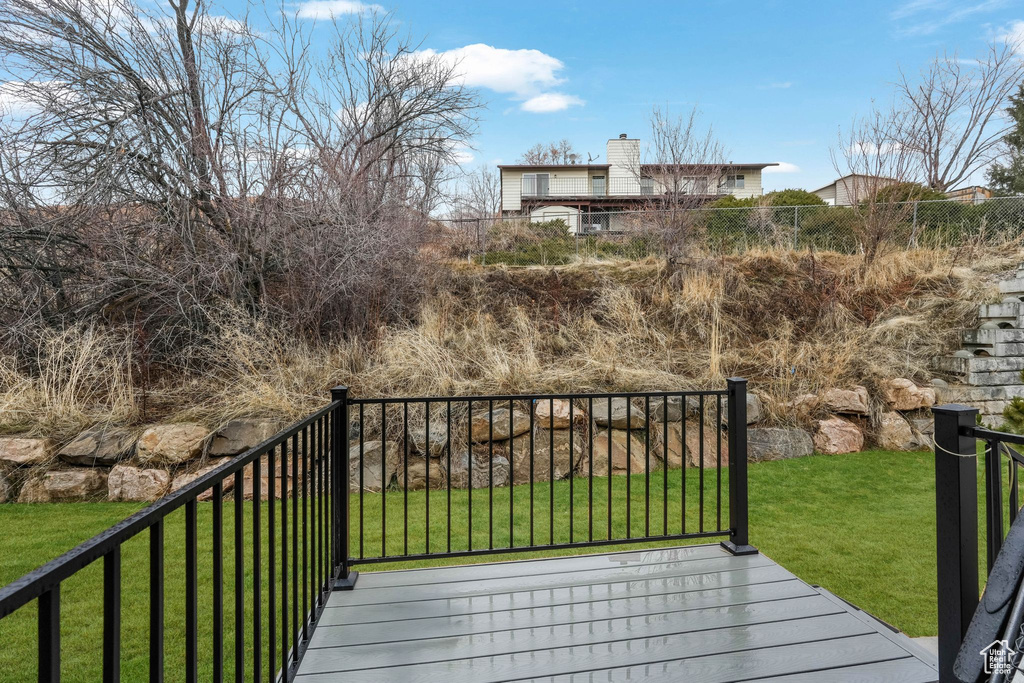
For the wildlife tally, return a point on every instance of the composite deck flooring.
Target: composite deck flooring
(679, 614)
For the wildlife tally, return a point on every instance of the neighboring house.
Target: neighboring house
(975, 194)
(852, 188)
(590, 196)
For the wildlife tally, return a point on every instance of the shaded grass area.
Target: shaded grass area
(862, 526)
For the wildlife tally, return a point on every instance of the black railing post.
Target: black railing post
(345, 578)
(739, 542)
(956, 516)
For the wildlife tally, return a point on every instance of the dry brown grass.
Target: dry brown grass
(791, 322)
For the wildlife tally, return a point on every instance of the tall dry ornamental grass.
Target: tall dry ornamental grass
(790, 322)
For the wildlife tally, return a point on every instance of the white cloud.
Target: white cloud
(776, 85)
(929, 16)
(524, 73)
(1013, 34)
(549, 102)
(326, 9)
(783, 167)
(15, 99)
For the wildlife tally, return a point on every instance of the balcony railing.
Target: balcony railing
(546, 187)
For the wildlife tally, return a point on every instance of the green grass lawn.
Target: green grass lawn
(861, 525)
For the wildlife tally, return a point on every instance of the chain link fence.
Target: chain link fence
(558, 236)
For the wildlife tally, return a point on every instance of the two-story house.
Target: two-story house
(591, 197)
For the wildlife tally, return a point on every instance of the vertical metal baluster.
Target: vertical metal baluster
(551, 474)
(491, 474)
(218, 582)
(629, 466)
(590, 468)
(682, 445)
(405, 480)
(608, 433)
(511, 477)
(448, 455)
(305, 533)
(257, 570)
(426, 459)
(362, 482)
(272, 563)
(285, 637)
(383, 484)
(315, 514)
(156, 602)
(718, 469)
(664, 464)
(191, 595)
(469, 475)
(572, 468)
(532, 435)
(700, 436)
(1014, 498)
(48, 635)
(295, 544)
(647, 465)
(112, 615)
(239, 498)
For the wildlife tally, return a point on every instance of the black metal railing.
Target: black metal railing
(962, 624)
(376, 480)
(283, 552)
(437, 477)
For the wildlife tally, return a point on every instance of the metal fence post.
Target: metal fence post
(796, 226)
(345, 578)
(956, 517)
(738, 543)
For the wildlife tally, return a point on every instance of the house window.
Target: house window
(597, 185)
(647, 185)
(734, 182)
(535, 184)
(694, 185)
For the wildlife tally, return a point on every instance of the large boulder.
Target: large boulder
(171, 444)
(498, 425)
(627, 453)
(621, 416)
(22, 451)
(417, 469)
(64, 486)
(554, 414)
(104, 446)
(437, 442)
(549, 445)
(137, 484)
(924, 430)
(668, 409)
(188, 477)
(754, 410)
(846, 401)
(778, 443)
(482, 473)
(6, 487)
(836, 435)
(690, 453)
(902, 394)
(896, 434)
(378, 469)
(238, 436)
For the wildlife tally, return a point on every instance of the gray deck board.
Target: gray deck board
(694, 613)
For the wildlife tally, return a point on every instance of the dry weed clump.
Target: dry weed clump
(790, 322)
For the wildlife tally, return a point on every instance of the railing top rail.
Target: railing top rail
(30, 586)
(993, 435)
(531, 397)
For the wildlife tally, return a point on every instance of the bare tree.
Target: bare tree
(871, 158)
(479, 196)
(194, 164)
(560, 152)
(686, 167)
(954, 112)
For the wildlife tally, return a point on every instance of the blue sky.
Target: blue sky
(776, 79)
